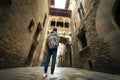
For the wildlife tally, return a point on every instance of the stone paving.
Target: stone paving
(36, 73)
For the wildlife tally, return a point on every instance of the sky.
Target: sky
(60, 4)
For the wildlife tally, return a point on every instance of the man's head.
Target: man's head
(55, 29)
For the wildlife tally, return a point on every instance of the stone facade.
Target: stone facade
(21, 31)
(101, 49)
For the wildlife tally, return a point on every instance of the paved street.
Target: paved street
(35, 73)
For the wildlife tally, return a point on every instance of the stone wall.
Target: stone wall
(67, 60)
(102, 50)
(109, 32)
(18, 24)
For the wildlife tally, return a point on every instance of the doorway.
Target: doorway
(30, 56)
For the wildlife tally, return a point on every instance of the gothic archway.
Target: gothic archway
(116, 12)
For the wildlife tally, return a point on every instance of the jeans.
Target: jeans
(52, 53)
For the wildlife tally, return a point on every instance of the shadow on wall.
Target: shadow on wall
(5, 2)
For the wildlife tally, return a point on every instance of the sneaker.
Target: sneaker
(44, 75)
(52, 76)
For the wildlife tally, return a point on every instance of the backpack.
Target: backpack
(53, 42)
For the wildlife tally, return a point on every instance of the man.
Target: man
(52, 51)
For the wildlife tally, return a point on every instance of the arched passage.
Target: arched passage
(117, 15)
(116, 12)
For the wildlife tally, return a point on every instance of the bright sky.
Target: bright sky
(60, 4)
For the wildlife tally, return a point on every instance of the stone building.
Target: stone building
(96, 35)
(89, 33)
(22, 30)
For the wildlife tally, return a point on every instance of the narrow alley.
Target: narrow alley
(88, 33)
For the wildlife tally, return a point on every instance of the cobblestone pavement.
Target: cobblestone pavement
(36, 73)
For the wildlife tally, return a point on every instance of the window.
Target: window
(81, 35)
(38, 30)
(39, 26)
(31, 24)
(81, 11)
(83, 40)
(66, 25)
(30, 56)
(36, 33)
(53, 23)
(75, 25)
(44, 20)
(60, 24)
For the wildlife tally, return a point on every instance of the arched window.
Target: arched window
(66, 24)
(53, 23)
(60, 22)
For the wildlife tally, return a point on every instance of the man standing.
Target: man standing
(52, 43)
